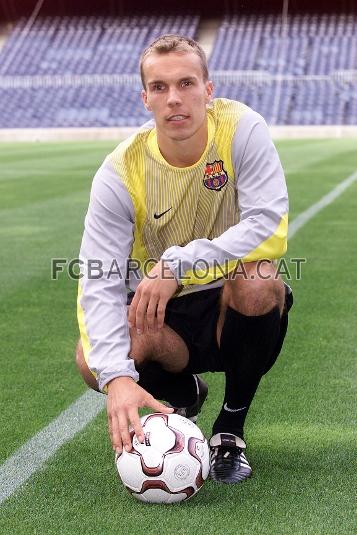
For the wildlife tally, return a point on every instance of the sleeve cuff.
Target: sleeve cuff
(106, 377)
(174, 264)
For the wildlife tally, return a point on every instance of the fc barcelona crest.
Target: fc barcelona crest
(215, 176)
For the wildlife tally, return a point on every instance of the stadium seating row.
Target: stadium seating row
(305, 54)
(257, 43)
(83, 46)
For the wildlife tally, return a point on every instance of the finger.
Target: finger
(115, 434)
(132, 309)
(158, 406)
(136, 423)
(161, 308)
(140, 314)
(110, 431)
(151, 313)
(146, 327)
(124, 431)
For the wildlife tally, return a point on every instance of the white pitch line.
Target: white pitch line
(308, 214)
(18, 468)
(33, 454)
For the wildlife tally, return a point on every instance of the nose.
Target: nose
(173, 97)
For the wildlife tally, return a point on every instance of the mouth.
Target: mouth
(177, 118)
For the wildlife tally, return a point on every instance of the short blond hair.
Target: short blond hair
(174, 43)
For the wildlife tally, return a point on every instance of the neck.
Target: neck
(185, 152)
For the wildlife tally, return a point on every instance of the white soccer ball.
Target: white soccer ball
(171, 464)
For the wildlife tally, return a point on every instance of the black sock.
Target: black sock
(179, 389)
(247, 343)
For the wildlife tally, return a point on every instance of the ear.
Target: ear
(145, 100)
(209, 91)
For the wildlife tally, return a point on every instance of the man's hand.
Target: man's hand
(124, 399)
(149, 303)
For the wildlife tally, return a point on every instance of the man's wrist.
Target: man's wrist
(121, 379)
(126, 369)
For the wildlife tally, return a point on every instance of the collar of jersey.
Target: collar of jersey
(154, 147)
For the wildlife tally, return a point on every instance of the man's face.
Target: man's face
(176, 93)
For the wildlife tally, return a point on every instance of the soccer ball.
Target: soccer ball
(170, 465)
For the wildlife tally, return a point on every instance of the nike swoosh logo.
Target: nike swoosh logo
(226, 408)
(157, 216)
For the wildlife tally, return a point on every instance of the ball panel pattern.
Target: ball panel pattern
(171, 464)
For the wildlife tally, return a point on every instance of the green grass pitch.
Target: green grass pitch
(300, 430)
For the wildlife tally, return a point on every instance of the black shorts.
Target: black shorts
(194, 318)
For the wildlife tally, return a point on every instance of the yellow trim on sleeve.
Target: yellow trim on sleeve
(82, 328)
(273, 247)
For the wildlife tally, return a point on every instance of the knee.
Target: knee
(165, 347)
(256, 289)
(80, 359)
(83, 369)
(140, 348)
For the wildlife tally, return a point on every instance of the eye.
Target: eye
(157, 87)
(186, 83)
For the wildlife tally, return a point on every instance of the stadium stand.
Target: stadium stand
(94, 46)
(82, 71)
(87, 45)
(306, 66)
